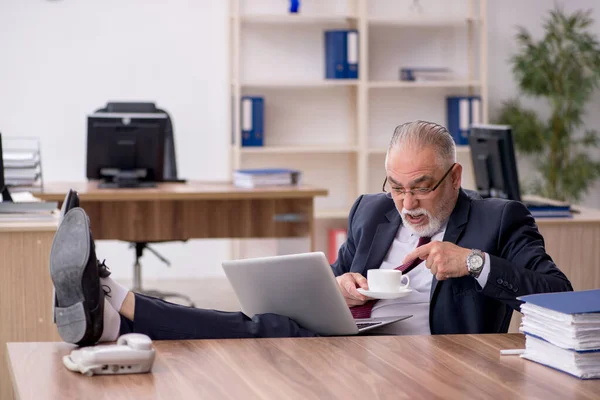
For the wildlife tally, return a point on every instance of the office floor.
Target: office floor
(211, 293)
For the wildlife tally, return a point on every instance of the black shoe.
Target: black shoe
(79, 301)
(71, 201)
(103, 271)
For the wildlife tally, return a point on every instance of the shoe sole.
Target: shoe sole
(68, 259)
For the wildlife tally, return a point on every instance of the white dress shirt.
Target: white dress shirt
(417, 302)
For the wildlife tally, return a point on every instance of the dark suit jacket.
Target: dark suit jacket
(503, 229)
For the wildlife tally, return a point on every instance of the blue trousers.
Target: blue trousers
(161, 320)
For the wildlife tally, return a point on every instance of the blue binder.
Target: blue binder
(352, 54)
(462, 112)
(252, 120)
(579, 302)
(341, 54)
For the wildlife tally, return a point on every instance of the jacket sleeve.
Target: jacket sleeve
(523, 266)
(348, 249)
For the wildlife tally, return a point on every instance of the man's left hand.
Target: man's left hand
(444, 259)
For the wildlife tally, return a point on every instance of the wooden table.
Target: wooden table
(25, 288)
(367, 367)
(194, 210)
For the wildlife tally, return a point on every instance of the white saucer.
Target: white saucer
(384, 295)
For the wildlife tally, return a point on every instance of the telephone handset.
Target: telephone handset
(133, 354)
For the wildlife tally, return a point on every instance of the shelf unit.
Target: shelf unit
(276, 46)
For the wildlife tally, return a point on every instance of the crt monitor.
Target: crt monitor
(126, 149)
(494, 164)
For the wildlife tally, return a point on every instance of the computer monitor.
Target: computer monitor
(126, 149)
(494, 163)
(6, 197)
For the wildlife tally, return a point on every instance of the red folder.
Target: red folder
(337, 237)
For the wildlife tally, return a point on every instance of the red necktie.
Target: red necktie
(364, 311)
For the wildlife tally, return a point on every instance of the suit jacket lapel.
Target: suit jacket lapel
(456, 224)
(384, 235)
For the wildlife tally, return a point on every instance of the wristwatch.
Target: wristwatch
(475, 263)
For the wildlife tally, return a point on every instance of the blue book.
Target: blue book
(252, 120)
(266, 177)
(462, 112)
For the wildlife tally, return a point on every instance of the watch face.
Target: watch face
(476, 262)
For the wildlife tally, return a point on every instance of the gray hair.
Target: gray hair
(421, 134)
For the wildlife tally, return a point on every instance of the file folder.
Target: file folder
(462, 112)
(341, 54)
(335, 54)
(352, 54)
(252, 118)
(578, 302)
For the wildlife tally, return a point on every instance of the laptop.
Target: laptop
(301, 287)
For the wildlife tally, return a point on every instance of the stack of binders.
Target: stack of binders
(563, 331)
(341, 54)
(252, 178)
(462, 112)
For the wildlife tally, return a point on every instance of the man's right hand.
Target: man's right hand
(348, 284)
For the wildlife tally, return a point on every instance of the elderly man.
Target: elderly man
(468, 260)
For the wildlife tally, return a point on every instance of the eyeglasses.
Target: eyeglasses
(417, 193)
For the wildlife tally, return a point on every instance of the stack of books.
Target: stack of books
(251, 178)
(26, 207)
(563, 331)
(418, 74)
(544, 208)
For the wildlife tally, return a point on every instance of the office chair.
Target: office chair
(170, 175)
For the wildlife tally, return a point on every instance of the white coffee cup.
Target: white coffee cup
(386, 280)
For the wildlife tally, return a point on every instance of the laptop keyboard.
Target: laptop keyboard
(361, 325)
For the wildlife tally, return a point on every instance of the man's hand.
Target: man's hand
(348, 284)
(444, 259)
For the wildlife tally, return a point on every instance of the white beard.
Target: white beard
(433, 224)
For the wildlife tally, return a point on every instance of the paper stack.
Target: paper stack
(251, 178)
(21, 168)
(25, 207)
(563, 331)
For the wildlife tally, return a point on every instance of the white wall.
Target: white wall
(61, 59)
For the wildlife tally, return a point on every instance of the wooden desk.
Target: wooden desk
(195, 210)
(390, 367)
(25, 288)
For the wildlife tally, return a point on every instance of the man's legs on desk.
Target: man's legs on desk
(73, 262)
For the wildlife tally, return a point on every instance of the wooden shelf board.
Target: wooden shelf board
(332, 214)
(300, 84)
(276, 19)
(299, 149)
(424, 22)
(422, 84)
(460, 149)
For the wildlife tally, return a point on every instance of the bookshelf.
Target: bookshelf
(337, 131)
